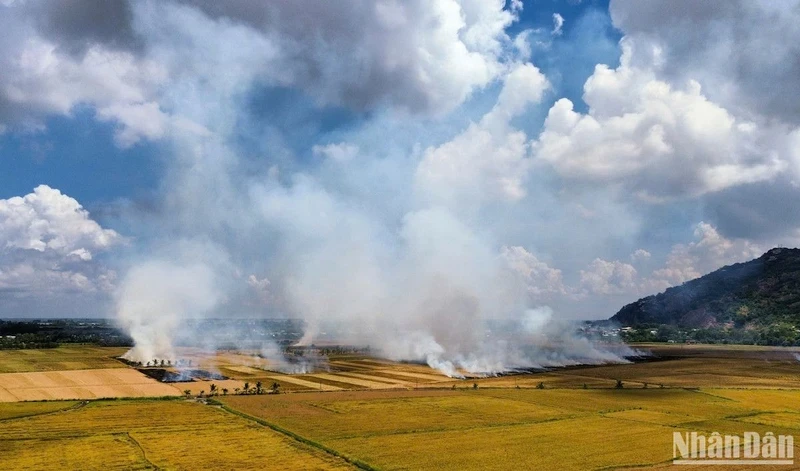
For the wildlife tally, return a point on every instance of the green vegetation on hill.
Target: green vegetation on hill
(752, 302)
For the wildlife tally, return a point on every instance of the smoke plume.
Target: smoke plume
(391, 240)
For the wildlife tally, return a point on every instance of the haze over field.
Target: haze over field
(409, 170)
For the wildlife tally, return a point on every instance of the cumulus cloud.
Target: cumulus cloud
(709, 251)
(657, 140)
(418, 55)
(49, 221)
(42, 78)
(743, 52)
(490, 159)
(48, 246)
(541, 280)
(686, 261)
(605, 277)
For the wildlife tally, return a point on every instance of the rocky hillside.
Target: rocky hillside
(756, 293)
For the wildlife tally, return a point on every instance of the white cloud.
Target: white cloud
(661, 142)
(48, 243)
(540, 279)
(604, 277)
(640, 255)
(49, 221)
(707, 253)
(41, 79)
(490, 159)
(558, 24)
(420, 55)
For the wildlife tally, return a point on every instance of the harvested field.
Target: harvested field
(419, 376)
(302, 382)
(357, 382)
(378, 379)
(80, 384)
(67, 357)
(124, 435)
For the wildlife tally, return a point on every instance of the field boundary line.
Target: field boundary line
(354, 461)
(141, 449)
(77, 406)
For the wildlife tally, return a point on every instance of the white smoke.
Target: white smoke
(391, 244)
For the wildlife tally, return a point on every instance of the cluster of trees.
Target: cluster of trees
(50, 334)
(163, 363)
(776, 334)
(258, 388)
(20, 341)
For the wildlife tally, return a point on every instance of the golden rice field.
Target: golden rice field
(68, 357)
(386, 415)
(124, 435)
(519, 428)
(27, 409)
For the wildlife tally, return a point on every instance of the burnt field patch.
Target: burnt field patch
(181, 376)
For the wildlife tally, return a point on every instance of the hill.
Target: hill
(758, 293)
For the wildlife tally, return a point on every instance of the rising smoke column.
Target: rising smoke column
(392, 242)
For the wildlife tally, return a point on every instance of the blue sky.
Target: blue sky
(463, 143)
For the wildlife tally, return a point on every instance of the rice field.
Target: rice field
(518, 428)
(67, 357)
(124, 435)
(387, 415)
(80, 384)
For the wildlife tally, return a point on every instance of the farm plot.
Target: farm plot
(67, 357)
(80, 384)
(147, 434)
(518, 428)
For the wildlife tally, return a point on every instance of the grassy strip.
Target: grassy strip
(355, 462)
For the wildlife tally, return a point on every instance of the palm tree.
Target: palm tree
(236, 390)
(202, 391)
(187, 392)
(213, 389)
(258, 387)
(224, 391)
(246, 388)
(276, 387)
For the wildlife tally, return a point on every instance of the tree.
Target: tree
(619, 384)
(236, 390)
(474, 385)
(258, 387)
(224, 391)
(276, 387)
(213, 389)
(202, 391)
(162, 363)
(246, 388)
(187, 392)
(540, 385)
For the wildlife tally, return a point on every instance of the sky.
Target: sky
(342, 160)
